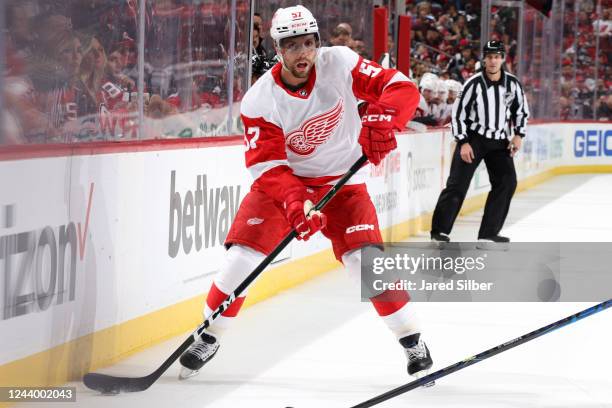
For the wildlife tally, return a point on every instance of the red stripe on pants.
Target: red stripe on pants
(216, 297)
(390, 301)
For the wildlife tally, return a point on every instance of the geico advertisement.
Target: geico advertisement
(592, 142)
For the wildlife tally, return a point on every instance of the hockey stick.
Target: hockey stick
(109, 384)
(484, 355)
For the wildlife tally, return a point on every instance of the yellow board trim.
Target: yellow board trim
(69, 361)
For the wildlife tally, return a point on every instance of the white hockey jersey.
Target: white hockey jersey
(424, 109)
(313, 132)
(442, 112)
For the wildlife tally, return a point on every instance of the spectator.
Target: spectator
(564, 107)
(441, 31)
(116, 64)
(433, 38)
(264, 46)
(258, 22)
(603, 26)
(21, 33)
(459, 30)
(258, 47)
(462, 65)
(21, 119)
(59, 92)
(342, 35)
(604, 110)
(359, 47)
(92, 71)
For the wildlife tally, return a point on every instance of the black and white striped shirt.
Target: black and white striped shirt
(490, 108)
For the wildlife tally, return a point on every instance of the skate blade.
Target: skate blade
(420, 374)
(439, 244)
(493, 246)
(186, 373)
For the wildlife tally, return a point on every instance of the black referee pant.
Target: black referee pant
(502, 176)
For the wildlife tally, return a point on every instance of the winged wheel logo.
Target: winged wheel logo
(315, 131)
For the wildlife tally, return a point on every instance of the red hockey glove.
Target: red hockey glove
(298, 211)
(377, 137)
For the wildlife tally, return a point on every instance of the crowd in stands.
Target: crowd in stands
(445, 52)
(71, 70)
(71, 67)
(579, 81)
(446, 43)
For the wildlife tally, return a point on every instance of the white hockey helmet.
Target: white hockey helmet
(442, 90)
(291, 22)
(428, 81)
(453, 86)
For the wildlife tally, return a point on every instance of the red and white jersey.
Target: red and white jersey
(424, 109)
(312, 133)
(442, 112)
(112, 96)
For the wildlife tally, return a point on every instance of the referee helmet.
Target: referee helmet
(494, 47)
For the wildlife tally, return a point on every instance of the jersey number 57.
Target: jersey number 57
(367, 69)
(250, 142)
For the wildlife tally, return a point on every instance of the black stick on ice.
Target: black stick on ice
(484, 355)
(109, 384)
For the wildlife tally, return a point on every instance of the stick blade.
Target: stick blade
(111, 385)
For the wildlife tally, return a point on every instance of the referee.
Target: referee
(492, 102)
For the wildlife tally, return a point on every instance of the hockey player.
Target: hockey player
(425, 111)
(302, 133)
(441, 110)
(454, 90)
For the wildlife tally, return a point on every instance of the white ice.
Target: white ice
(317, 346)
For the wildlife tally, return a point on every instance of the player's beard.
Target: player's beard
(302, 73)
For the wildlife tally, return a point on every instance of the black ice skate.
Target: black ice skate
(493, 243)
(419, 358)
(439, 237)
(494, 238)
(198, 354)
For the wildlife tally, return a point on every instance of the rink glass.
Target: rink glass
(179, 68)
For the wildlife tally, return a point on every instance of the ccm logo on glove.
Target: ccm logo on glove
(376, 137)
(377, 118)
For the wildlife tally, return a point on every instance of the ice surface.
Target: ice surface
(319, 346)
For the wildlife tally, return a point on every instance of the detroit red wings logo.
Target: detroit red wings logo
(315, 131)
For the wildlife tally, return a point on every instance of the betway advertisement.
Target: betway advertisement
(91, 241)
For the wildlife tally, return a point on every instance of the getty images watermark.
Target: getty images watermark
(412, 264)
(495, 272)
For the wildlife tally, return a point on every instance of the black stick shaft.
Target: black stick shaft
(484, 355)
